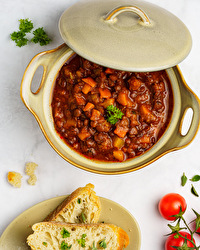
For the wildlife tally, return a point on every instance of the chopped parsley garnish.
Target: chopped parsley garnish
(44, 243)
(79, 201)
(25, 26)
(93, 246)
(40, 37)
(65, 233)
(65, 246)
(82, 240)
(113, 114)
(83, 217)
(103, 243)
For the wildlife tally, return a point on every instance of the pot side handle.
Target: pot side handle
(46, 59)
(188, 100)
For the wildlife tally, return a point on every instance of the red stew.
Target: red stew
(81, 97)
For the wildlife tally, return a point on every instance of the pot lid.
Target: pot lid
(130, 35)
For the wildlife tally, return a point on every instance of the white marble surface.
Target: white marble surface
(22, 139)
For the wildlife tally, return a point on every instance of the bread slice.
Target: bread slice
(82, 206)
(58, 235)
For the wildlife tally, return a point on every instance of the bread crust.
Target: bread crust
(88, 190)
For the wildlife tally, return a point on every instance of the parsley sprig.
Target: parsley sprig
(26, 26)
(19, 38)
(40, 37)
(113, 114)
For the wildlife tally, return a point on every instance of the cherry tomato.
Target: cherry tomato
(177, 242)
(198, 231)
(170, 205)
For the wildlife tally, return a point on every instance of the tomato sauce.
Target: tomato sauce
(82, 94)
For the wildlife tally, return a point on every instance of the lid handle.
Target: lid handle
(116, 11)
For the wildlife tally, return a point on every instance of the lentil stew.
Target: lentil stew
(110, 115)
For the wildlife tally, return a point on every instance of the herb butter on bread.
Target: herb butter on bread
(58, 235)
(81, 206)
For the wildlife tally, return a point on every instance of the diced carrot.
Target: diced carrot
(105, 93)
(118, 142)
(108, 102)
(144, 139)
(121, 131)
(86, 88)
(146, 113)
(89, 81)
(70, 123)
(122, 98)
(88, 106)
(80, 99)
(109, 71)
(95, 115)
(118, 154)
(84, 134)
(144, 110)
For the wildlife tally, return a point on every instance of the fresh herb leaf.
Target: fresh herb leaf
(195, 178)
(113, 114)
(44, 243)
(183, 179)
(25, 25)
(40, 37)
(194, 192)
(82, 240)
(83, 217)
(19, 38)
(65, 233)
(79, 201)
(65, 246)
(103, 243)
(93, 246)
(197, 221)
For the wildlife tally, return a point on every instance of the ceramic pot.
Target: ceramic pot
(39, 104)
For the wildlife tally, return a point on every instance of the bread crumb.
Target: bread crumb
(14, 179)
(32, 179)
(30, 171)
(30, 168)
